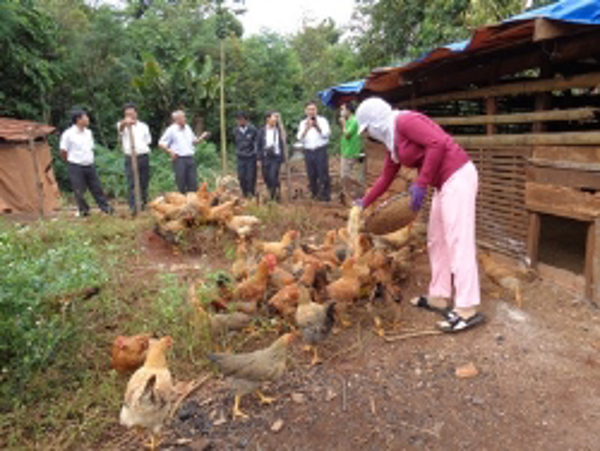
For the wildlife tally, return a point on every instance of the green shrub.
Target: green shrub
(38, 271)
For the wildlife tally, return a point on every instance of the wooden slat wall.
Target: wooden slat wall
(501, 215)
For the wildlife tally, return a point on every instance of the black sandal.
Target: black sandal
(423, 302)
(455, 323)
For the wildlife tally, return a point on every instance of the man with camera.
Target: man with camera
(313, 133)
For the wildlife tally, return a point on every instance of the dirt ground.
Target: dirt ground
(537, 387)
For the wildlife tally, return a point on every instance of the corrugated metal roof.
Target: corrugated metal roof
(511, 32)
(18, 130)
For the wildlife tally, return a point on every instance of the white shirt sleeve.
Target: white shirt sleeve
(166, 139)
(301, 130)
(64, 141)
(147, 135)
(325, 129)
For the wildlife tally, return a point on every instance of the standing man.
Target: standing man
(77, 149)
(130, 125)
(245, 151)
(350, 148)
(179, 141)
(314, 134)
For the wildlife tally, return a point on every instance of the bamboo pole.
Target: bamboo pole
(510, 89)
(532, 139)
(286, 155)
(579, 114)
(137, 194)
(222, 108)
(38, 182)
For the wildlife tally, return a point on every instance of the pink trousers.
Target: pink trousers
(451, 239)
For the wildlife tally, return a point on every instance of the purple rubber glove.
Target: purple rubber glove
(359, 203)
(418, 194)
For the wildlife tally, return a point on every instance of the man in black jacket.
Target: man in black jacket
(245, 150)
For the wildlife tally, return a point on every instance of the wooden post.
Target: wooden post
(38, 182)
(533, 239)
(137, 194)
(286, 155)
(543, 100)
(590, 251)
(490, 110)
(223, 127)
(596, 258)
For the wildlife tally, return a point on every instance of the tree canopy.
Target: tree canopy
(164, 54)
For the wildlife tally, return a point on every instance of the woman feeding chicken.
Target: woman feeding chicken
(415, 141)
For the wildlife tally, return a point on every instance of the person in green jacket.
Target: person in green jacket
(350, 140)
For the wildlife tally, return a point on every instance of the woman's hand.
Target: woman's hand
(418, 194)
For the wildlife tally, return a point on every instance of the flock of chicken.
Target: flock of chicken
(310, 286)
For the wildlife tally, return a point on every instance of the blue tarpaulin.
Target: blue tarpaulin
(328, 96)
(583, 12)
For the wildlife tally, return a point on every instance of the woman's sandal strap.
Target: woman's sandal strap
(455, 323)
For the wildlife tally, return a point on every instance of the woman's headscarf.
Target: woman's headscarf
(378, 117)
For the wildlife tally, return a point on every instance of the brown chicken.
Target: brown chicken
(285, 301)
(345, 290)
(246, 372)
(127, 354)
(220, 213)
(254, 289)
(150, 393)
(281, 278)
(243, 264)
(242, 226)
(502, 275)
(314, 320)
(281, 249)
(174, 198)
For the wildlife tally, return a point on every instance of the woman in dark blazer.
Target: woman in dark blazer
(269, 149)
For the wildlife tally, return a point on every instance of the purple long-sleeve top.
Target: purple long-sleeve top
(422, 144)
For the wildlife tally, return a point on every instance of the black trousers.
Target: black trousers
(270, 170)
(82, 178)
(246, 169)
(186, 175)
(144, 173)
(317, 171)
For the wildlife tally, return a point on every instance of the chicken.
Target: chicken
(329, 256)
(242, 226)
(281, 249)
(503, 276)
(385, 298)
(127, 354)
(345, 290)
(247, 372)
(314, 320)
(219, 213)
(285, 301)
(243, 264)
(254, 289)
(174, 198)
(281, 278)
(218, 323)
(150, 393)
(399, 238)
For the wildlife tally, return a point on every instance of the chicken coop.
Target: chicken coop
(522, 97)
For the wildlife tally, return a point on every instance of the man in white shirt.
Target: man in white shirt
(179, 141)
(313, 133)
(130, 127)
(77, 149)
